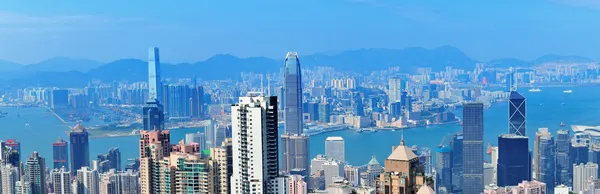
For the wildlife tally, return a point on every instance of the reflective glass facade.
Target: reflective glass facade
(516, 114)
(472, 148)
(514, 160)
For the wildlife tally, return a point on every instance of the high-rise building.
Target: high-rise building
(60, 154)
(10, 175)
(373, 171)
(297, 185)
(80, 150)
(396, 86)
(294, 150)
(333, 170)
(563, 165)
(110, 160)
(545, 157)
(358, 108)
(457, 162)
(87, 181)
(153, 115)
(403, 173)
(222, 164)
(514, 162)
(443, 166)
(352, 175)
(494, 157)
(582, 173)
(254, 126)
(324, 112)
(128, 182)
(517, 114)
(472, 148)
(154, 146)
(61, 180)
(183, 173)
(108, 183)
(35, 174)
(198, 138)
(334, 148)
(14, 145)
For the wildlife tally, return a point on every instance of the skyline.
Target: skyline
(192, 31)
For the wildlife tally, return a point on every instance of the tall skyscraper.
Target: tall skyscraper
(514, 162)
(293, 94)
(35, 174)
(334, 148)
(582, 173)
(80, 150)
(457, 162)
(88, 181)
(443, 166)
(294, 150)
(61, 180)
(153, 115)
(10, 175)
(472, 148)
(545, 157)
(395, 86)
(60, 154)
(563, 165)
(14, 145)
(517, 114)
(154, 146)
(254, 122)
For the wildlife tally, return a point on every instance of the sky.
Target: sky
(194, 30)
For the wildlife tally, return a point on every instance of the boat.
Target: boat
(535, 90)
(567, 91)
(26, 124)
(359, 130)
(562, 124)
(393, 129)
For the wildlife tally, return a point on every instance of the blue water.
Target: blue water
(582, 107)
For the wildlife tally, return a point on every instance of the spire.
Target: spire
(402, 138)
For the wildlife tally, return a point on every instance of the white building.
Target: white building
(582, 173)
(561, 189)
(87, 181)
(334, 148)
(254, 137)
(332, 169)
(10, 175)
(61, 179)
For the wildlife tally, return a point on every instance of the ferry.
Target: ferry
(535, 90)
(568, 91)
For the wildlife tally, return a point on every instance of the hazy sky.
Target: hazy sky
(193, 30)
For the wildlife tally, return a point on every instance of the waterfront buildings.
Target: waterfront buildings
(61, 181)
(295, 145)
(402, 172)
(35, 174)
(80, 150)
(254, 127)
(545, 157)
(563, 165)
(87, 181)
(517, 114)
(334, 148)
(472, 148)
(60, 154)
(443, 167)
(582, 173)
(110, 160)
(59, 98)
(514, 162)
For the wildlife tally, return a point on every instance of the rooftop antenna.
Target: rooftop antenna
(402, 138)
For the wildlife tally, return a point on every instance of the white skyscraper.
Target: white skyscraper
(10, 175)
(61, 179)
(334, 148)
(87, 181)
(254, 131)
(396, 85)
(582, 173)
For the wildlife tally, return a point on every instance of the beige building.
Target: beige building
(154, 145)
(402, 172)
(531, 187)
(222, 164)
(297, 185)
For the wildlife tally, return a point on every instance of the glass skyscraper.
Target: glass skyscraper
(457, 162)
(546, 155)
(516, 114)
(80, 148)
(472, 148)
(153, 115)
(60, 154)
(563, 165)
(443, 166)
(514, 160)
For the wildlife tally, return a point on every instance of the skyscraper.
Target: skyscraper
(583, 173)
(403, 172)
(254, 125)
(472, 148)
(517, 114)
(443, 166)
(14, 145)
(395, 89)
(10, 175)
(61, 180)
(563, 165)
(514, 162)
(88, 181)
(60, 154)
(545, 157)
(222, 158)
(457, 162)
(80, 150)
(294, 150)
(198, 138)
(154, 146)
(153, 115)
(35, 174)
(334, 148)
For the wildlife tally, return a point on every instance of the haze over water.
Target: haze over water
(544, 109)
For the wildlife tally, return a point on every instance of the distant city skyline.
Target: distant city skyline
(191, 31)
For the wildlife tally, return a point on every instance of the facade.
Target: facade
(582, 173)
(154, 145)
(472, 148)
(457, 162)
(352, 175)
(87, 181)
(35, 174)
(222, 165)
(545, 158)
(10, 175)
(61, 180)
(402, 172)
(333, 170)
(297, 185)
(295, 152)
(563, 165)
(80, 150)
(198, 138)
(186, 173)
(254, 127)
(517, 114)
(514, 162)
(334, 148)
(60, 154)
(443, 167)
(153, 115)
(395, 89)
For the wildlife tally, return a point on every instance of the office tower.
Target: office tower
(352, 175)
(582, 173)
(517, 114)
(59, 98)
(60, 154)
(333, 170)
(14, 145)
(324, 112)
(108, 183)
(61, 180)
(222, 164)
(10, 175)
(80, 150)
(561, 189)
(293, 94)
(153, 115)
(110, 160)
(358, 108)
(128, 182)
(402, 172)
(457, 162)
(210, 132)
(154, 145)
(513, 160)
(198, 138)
(87, 181)
(510, 83)
(563, 165)
(374, 169)
(297, 185)
(316, 164)
(443, 167)
(294, 150)
(472, 148)
(395, 89)
(488, 174)
(494, 157)
(254, 126)
(334, 148)
(545, 157)
(35, 174)
(11, 157)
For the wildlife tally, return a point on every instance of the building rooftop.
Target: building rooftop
(78, 128)
(402, 152)
(334, 138)
(373, 161)
(514, 95)
(425, 190)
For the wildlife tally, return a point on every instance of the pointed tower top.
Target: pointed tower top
(402, 138)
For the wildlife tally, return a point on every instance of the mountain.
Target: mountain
(408, 59)
(552, 58)
(61, 64)
(6, 66)
(508, 62)
(124, 69)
